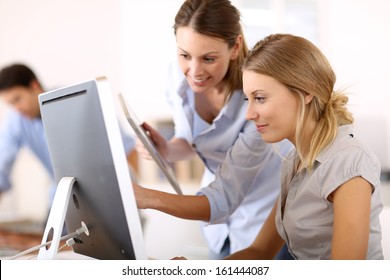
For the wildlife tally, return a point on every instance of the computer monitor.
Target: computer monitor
(87, 152)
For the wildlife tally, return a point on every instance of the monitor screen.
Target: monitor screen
(84, 141)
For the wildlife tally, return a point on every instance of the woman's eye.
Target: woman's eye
(259, 99)
(183, 55)
(209, 59)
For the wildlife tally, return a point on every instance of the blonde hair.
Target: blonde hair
(301, 66)
(218, 19)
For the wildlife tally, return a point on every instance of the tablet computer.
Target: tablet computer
(162, 163)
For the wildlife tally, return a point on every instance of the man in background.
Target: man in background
(22, 126)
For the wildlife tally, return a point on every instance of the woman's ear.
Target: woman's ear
(308, 98)
(237, 47)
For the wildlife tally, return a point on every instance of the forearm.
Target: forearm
(265, 246)
(189, 207)
(249, 253)
(184, 206)
(259, 250)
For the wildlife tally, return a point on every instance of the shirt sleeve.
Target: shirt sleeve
(351, 162)
(250, 163)
(10, 142)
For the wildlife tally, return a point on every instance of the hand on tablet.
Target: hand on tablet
(158, 140)
(151, 144)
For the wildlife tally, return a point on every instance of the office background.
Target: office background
(132, 42)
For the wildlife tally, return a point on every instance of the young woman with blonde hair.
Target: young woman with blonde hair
(330, 199)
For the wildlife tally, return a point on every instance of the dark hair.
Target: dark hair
(16, 75)
(218, 19)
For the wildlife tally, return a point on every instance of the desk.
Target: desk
(14, 242)
(19, 241)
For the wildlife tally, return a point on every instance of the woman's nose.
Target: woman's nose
(196, 68)
(250, 113)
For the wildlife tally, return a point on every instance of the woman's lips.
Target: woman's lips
(261, 127)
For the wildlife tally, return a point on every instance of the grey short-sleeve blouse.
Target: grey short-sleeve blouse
(307, 220)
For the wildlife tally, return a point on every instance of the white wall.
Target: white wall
(148, 47)
(65, 41)
(357, 43)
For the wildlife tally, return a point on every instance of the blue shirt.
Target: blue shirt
(17, 131)
(242, 176)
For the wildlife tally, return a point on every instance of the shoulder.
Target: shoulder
(12, 120)
(13, 129)
(346, 148)
(345, 159)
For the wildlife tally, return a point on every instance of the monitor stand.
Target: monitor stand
(55, 222)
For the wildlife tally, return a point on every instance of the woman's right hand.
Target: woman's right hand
(160, 143)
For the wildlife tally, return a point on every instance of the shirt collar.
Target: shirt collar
(338, 143)
(229, 110)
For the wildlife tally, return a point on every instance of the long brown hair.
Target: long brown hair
(301, 66)
(219, 19)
